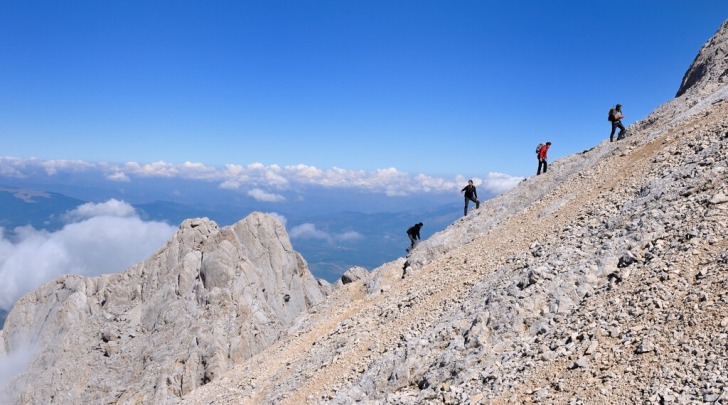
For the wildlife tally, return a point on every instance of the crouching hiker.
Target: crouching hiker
(542, 154)
(414, 234)
(470, 195)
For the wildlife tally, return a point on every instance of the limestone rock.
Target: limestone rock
(618, 295)
(209, 299)
(354, 274)
(710, 66)
(492, 309)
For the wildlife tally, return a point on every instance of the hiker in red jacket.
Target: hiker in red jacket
(542, 157)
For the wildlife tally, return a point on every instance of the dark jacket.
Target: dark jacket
(414, 231)
(470, 191)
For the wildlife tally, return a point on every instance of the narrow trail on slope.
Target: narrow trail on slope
(444, 283)
(433, 289)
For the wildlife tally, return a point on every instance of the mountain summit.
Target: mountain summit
(602, 281)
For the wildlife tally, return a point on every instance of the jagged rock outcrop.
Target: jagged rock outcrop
(710, 67)
(603, 281)
(207, 300)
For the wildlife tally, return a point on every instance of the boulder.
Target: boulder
(355, 273)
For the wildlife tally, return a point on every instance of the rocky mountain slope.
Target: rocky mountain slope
(210, 298)
(603, 281)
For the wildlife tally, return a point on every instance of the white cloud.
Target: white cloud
(111, 208)
(118, 176)
(282, 219)
(230, 185)
(12, 167)
(433, 184)
(265, 182)
(350, 235)
(264, 196)
(304, 171)
(12, 364)
(498, 183)
(199, 171)
(156, 169)
(234, 170)
(54, 166)
(105, 238)
(309, 231)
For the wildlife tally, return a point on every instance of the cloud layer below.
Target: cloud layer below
(309, 231)
(97, 238)
(261, 182)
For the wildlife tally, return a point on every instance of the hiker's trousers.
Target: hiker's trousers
(615, 125)
(467, 201)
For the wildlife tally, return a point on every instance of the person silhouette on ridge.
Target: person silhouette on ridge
(471, 194)
(414, 234)
(615, 117)
(542, 158)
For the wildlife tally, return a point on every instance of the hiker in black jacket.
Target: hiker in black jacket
(470, 195)
(414, 234)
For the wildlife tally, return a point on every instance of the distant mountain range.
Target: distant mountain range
(40, 209)
(602, 281)
(382, 236)
(376, 238)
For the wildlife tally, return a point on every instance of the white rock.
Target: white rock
(207, 300)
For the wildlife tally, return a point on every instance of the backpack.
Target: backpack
(610, 117)
(538, 148)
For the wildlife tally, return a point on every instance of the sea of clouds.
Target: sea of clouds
(97, 238)
(258, 181)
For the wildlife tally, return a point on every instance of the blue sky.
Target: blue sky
(443, 88)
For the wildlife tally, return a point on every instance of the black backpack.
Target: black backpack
(610, 117)
(538, 148)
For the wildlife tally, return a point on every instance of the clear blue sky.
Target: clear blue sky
(437, 87)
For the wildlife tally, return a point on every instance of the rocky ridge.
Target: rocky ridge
(211, 298)
(709, 70)
(603, 281)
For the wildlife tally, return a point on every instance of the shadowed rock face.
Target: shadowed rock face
(710, 67)
(208, 299)
(3, 315)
